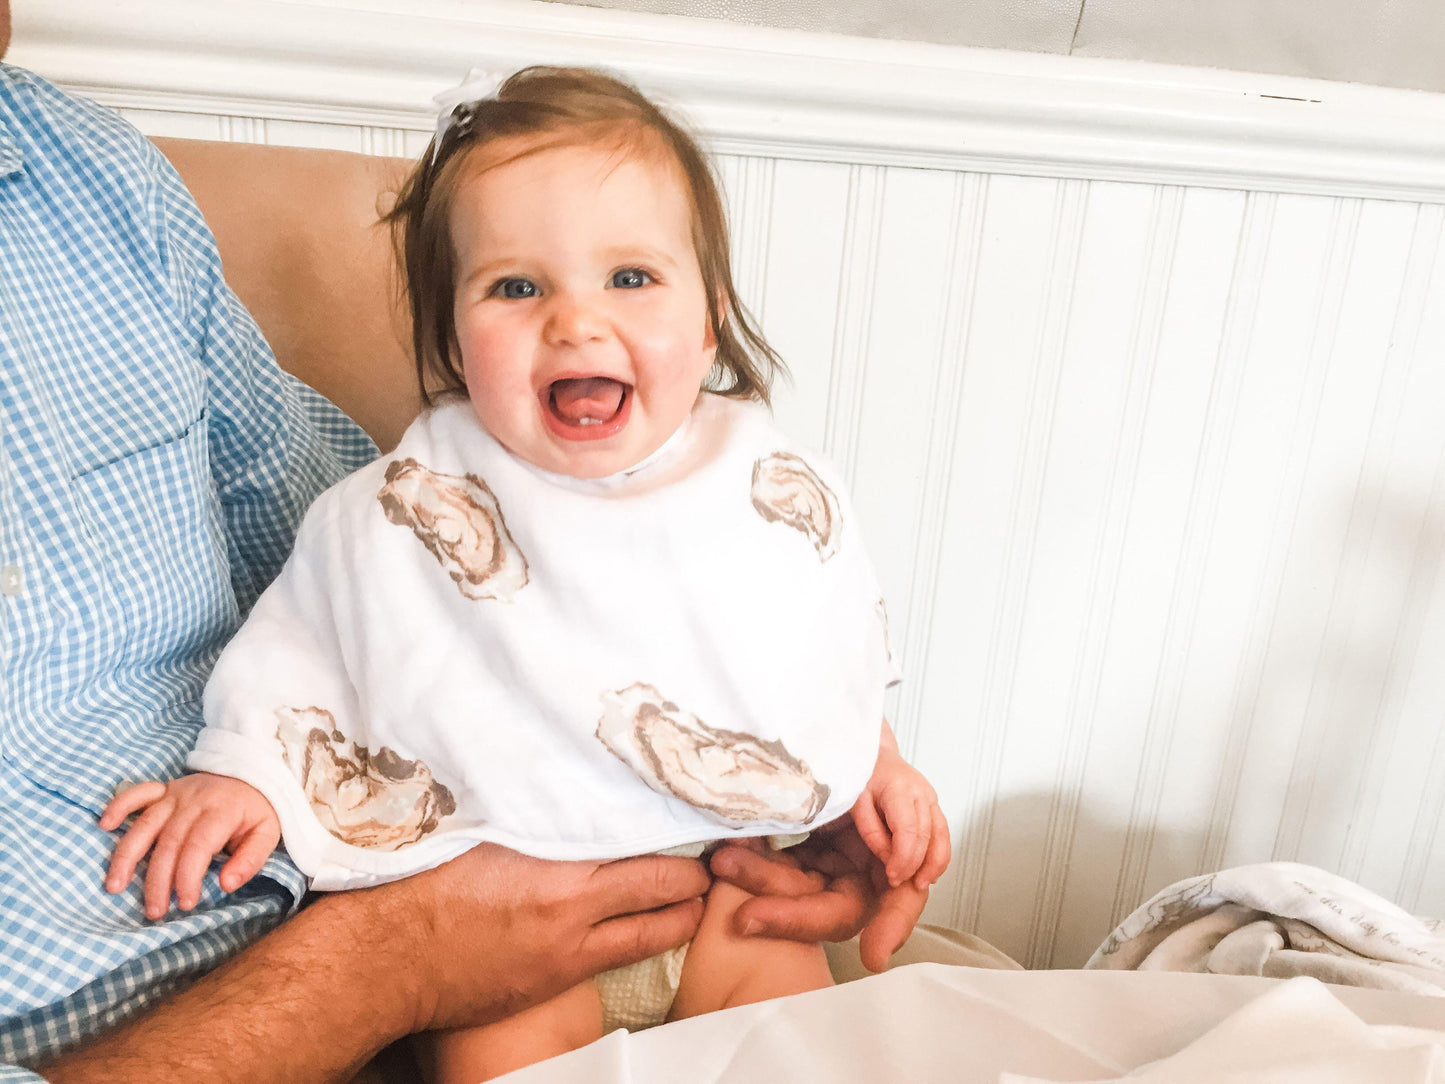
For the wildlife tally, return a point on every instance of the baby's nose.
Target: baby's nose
(572, 319)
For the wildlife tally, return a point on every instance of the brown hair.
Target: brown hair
(558, 106)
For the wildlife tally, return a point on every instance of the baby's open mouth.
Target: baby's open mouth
(586, 407)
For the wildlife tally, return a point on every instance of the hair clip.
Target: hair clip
(478, 86)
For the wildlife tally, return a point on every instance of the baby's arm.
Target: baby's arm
(898, 816)
(185, 824)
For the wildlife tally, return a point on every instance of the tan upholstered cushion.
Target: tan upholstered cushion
(301, 245)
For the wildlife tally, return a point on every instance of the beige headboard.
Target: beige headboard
(301, 246)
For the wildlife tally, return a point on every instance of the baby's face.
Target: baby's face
(580, 310)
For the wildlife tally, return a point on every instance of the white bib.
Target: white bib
(463, 647)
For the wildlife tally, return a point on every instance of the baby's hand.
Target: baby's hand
(898, 816)
(185, 824)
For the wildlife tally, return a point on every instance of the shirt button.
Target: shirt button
(12, 580)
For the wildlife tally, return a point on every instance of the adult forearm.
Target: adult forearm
(469, 942)
(312, 1001)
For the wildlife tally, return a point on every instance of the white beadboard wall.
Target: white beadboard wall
(1138, 375)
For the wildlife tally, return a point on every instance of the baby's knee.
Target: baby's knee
(725, 967)
(721, 904)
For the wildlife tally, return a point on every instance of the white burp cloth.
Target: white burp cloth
(465, 648)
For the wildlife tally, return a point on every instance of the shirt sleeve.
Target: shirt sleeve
(13, 1074)
(274, 442)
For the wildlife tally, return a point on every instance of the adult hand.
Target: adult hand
(827, 888)
(496, 931)
(466, 943)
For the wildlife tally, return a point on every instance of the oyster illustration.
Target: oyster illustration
(1160, 916)
(367, 799)
(735, 777)
(458, 519)
(785, 490)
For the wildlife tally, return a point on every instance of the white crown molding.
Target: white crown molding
(755, 90)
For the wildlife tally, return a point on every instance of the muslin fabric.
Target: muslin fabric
(438, 690)
(1280, 919)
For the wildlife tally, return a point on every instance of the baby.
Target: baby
(593, 605)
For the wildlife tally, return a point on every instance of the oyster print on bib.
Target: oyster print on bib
(735, 777)
(376, 800)
(785, 490)
(458, 519)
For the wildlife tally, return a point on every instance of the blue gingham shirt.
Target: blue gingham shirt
(154, 463)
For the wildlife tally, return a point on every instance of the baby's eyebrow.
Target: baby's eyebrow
(640, 255)
(493, 268)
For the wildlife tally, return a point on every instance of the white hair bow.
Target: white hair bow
(477, 86)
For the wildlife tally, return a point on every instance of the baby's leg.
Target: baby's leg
(468, 1055)
(724, 968)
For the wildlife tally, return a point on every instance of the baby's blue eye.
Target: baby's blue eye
(630, 278)
(515, 289)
